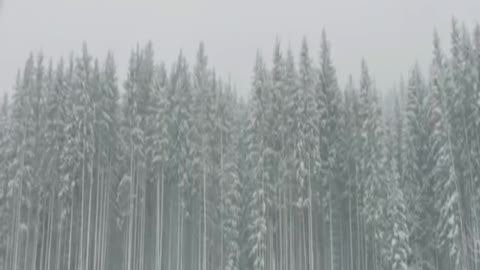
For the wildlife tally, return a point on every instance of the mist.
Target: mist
(390, 35)
(215, 135)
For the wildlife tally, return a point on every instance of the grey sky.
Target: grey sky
(389, 34)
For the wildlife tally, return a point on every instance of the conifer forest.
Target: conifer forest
(168, 168)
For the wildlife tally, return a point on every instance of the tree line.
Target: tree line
(170, 169)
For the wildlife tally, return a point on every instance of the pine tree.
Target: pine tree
(23, 117)
(230, 180)
(159, 155)
(329, 121)
(444, 171)
(278, 136)
(372, 172)
(418, 184)
(5, 153)
(204, 98)
(258, 226)
(305, 142)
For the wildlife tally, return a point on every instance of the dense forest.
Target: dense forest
(170, 169)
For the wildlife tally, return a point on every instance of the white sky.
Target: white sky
(390, 34)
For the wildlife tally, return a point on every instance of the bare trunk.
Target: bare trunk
(59, 245)
(131, 211)
(160, 254)
(350, 229)
(170, 237)
(98, 209)
(18, 207)
(83, 196)
(71, 229)
(25, 262)
(310, 217)
(51, 217)
(204, 207)
(332, 265)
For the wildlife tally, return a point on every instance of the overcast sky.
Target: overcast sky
(390, 34)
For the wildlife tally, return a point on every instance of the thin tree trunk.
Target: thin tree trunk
(200, 236)
(71, 228)
(179, 230)
(221, 201)
(170, 237)
(25, 262)
(35, 237)
(83, 196)
(59, 245)
(97, 216)
(105, 221)
(157, 230)
(350, 228)
(51, 217)
(204, 206)
(131, 212)
(19, 204)
(161, 222)
(43, 243)
(310, 216)
(142, 228)
(5, 260)
(89, 217)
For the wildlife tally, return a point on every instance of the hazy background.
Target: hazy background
(390, 34)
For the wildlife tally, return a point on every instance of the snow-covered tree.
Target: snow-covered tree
(449, 225)
(257, 206)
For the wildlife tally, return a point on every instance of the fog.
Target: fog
(390, 35)
(117, 161)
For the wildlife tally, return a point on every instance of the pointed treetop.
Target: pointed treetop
(415, 82)
(4, 109)
(147, 56)
(259, 77)
(278, 63)
(201, 69)
(437, 50)
(60, 70)
(202, 59)
(290, 59)
(50, 66)
(436, 39)
(181, 58)
(84, 47)
(304, 52)
(110, 66)
(50, 72)
(85, 53)
(328, 74)
(455, 39)
(466, 44)
(305, 68)
(277, 52)
(149, 47)
(28, 70)
(18, 80)
(454, 25)
(365, 81)
(259, 63)
(367, 84)
(325, 46)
